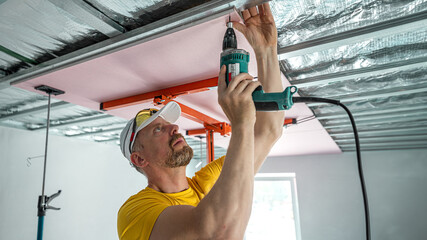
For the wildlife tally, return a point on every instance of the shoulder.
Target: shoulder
(145, 198)
(141, 209)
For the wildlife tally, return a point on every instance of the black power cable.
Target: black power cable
(359, 158)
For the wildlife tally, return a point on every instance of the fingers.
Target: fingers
(242, 86)
(267, 9)
(246, 87)
(253, 11)
(221, 79)
(251, 87)
(246, 15)
(261, 10)
(236, 81)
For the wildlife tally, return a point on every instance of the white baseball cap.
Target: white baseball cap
(170, 113)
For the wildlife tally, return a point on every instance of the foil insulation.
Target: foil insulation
(368, 53)
(13, 100)
(303, 20)
(134, 14)
(394, 102)
(9, 64)
(413, 78)
(363, 129)
(39, 31)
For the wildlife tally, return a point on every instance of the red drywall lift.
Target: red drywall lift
(166, 95)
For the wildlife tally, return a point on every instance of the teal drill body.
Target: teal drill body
(237, 61)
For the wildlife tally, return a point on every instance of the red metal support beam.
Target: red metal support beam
(164, 96)
(188, 88)
(210, 145)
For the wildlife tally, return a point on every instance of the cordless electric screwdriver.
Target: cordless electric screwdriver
(237, 60)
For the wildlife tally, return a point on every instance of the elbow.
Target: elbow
(228, 227)
(277, 133)
(270, 134)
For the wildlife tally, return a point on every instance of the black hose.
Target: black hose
(359, 158)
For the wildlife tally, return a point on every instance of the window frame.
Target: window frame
(291, 177)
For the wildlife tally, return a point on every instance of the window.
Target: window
(274, 209)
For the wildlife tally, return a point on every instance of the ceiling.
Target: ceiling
(371, 55)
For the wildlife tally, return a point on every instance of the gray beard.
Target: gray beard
(178, 158)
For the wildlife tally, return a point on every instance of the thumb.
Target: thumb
(240, 27)
(221, 79)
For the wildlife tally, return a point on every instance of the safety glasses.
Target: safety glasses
(140, 118)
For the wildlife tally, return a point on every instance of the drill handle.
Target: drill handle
(278, 101)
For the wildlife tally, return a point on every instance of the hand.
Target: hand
(259, 28)
(236, 99)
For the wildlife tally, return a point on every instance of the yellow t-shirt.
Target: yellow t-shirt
(137, 216)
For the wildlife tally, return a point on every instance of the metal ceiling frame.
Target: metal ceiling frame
(96, 132)
(382, 132)
(120, 39)
(383, 147)
(420, 118)
(403, 65)
(387, 143)
(91, 16)
(177, 22)
(385, 139)
(375, 111)
(83, 119)
(40, 109)
(408, 136)
(397, 116)
(381, 29)
(391, 92)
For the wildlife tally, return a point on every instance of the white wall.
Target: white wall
(330, 200)
(96, 180)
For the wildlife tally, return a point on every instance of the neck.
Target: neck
(168, 180)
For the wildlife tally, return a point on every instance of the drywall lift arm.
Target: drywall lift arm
(188, 88)
(166, 95)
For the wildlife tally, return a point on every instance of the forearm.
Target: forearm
(268, 69)
(226, 209)
(269, 125)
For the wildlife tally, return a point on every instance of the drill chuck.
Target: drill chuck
(237, 61)
(229, 41)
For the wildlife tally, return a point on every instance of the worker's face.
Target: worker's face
(163, 145)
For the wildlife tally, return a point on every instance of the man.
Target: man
(216, 203)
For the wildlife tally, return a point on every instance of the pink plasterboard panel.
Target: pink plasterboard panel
(182, 57)
(178, 58)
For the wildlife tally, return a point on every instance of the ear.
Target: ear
(137, 160)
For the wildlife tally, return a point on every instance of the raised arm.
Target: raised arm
(260, 31)
(224, 213)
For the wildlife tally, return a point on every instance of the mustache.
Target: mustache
(176, 137)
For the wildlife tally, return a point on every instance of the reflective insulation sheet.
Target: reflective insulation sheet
(60, 116)
(405, 111)
(13, 100)
(393, 81)
(399, 102)
(39, 31)
(368, 53)
(9, 64)
(303, 20)
(133, 14)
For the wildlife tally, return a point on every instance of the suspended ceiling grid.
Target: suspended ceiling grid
(180, 57)
(370, 54)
